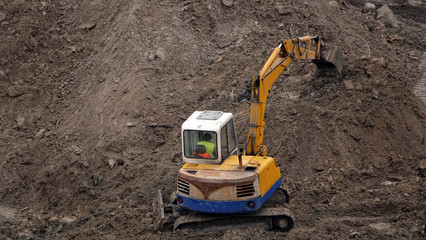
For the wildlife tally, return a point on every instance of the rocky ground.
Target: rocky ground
(93, 94)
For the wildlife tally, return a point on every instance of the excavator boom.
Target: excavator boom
(298, 48)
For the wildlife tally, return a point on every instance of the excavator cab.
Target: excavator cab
(208, 137)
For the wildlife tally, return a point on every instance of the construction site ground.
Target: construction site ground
(93, 94)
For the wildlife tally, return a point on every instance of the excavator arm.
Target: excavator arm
(298, 48)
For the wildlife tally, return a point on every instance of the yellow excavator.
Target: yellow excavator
(222, 187)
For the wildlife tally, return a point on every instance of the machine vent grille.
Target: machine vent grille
(245, 190)
(183, 187)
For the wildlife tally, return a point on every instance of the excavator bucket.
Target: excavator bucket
(331, 55)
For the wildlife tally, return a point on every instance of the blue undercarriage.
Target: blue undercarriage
(207, 206)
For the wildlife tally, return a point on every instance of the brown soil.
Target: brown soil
(88, 83)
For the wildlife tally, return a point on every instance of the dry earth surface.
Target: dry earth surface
(93, 93)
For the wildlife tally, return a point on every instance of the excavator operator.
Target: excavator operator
(209, 147)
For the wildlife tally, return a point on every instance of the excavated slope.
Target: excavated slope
(94, 94)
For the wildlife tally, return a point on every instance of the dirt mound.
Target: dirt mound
(94, 94)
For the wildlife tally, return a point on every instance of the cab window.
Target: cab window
(200, 144)
(228, 140)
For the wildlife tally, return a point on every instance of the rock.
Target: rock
(386, 16)
(40, 134)
(369, 7)
(381, 226)
(281, 10)
(15, 91)
(20, 121)
(2, 17)
(422, 167)
(349, 85)
(412, 3)
(333, 4)
(33, 42)
(388, 183)
(375, 94)
(368, 172)
(228, 3)
(111, 163)
(76, 149)
(7, 215)
(67, 220)
(151, 57)
(130, 124)
(222, 96)
(86, 26)
(53, 219)
(2, 76)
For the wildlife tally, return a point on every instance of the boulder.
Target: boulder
(369, 7)
(386, 16)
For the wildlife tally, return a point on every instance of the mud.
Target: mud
(93, 94)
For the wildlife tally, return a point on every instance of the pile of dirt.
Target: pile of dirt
(93, 94)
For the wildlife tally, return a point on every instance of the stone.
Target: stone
(67, 220)
(151, 57)
(15, 91)
(40, 133)
(76, 149)
(368, 172)
(2, 76)
(353, 234)
(422, 167)
(388, 183)
(86, 26)
(281, 10)
(228, 3)
(375, 94)
(130, 124)
(2, 17)
(349, 85)
(414, 3)
(381, 226)
(333, 4)
(386, 16)
(20, 121)
(111, 163)
(369, 7)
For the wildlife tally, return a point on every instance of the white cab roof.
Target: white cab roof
(206, 120)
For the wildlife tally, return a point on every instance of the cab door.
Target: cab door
(228, 140)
